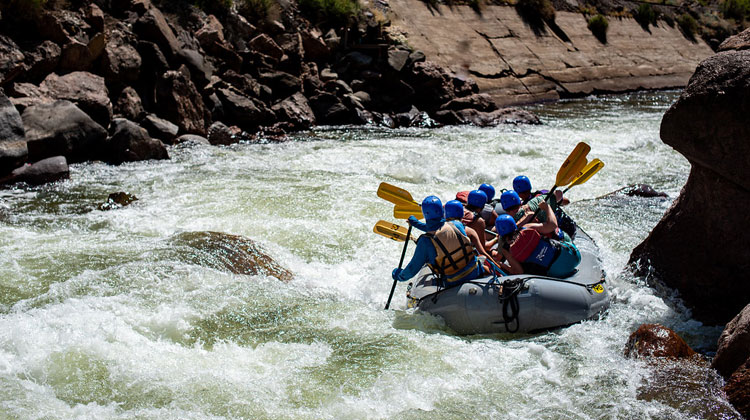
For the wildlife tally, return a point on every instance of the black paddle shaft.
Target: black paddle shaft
(400, 263)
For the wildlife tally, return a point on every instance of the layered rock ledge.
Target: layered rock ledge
(515, 63)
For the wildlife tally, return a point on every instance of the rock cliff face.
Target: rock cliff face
(513, 63)
(700, 246)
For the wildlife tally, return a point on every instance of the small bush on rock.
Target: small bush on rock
(331, 13)
(688, 25)
(736, 9)
(645, 15)
(535, 13)
(255, 10)
(598, 26)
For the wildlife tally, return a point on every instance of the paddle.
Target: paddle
(572, 166)
(403, 199)
(392, 231)
(593, 167)
(395, 195)
(403, 212)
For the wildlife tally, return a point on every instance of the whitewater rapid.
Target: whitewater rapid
(101, 316)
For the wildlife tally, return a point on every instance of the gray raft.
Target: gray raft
(520, 303)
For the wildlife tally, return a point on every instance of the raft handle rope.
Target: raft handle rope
(508, 297)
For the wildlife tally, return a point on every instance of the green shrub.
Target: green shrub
(332, 13)
(598, 26)
(23, 9)
(539, 9)
(255, 10)
(688, 25)
(645, 15)
(736, 9)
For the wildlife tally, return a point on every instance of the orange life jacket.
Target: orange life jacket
(454, 252)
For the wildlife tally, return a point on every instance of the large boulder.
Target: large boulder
(88, 91)
(13, 150)
(295, 110)
(42, 60)
(152, 26)
(80, 56)
(121, 61)
(178, 101)
(130, 142)
(46, 170)
(699, 247)
(61, 129)
(129, 104)
(245, 112)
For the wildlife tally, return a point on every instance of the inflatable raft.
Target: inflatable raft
(520, 303)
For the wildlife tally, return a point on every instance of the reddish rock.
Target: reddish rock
(178, 101)
(654, 340)
(689, 250)
(94, 16)
(220, 134)
(233, 253)
(314, 46)
(738, 389)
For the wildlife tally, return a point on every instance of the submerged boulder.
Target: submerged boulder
(699, 247)
(654, 340)
(232, 253)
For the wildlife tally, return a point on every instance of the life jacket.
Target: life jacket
(535, 253)
(454, 253)
(532, 195)
(486, 214)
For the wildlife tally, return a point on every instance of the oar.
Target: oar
(403, 212)
(593, 167)
(395, 195)
(572, 166)
(400, 264)
(392, 231)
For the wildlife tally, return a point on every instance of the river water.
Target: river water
(102, 317)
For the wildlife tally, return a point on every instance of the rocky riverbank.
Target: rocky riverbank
(119, 80)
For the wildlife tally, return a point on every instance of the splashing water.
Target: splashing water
(102, 317)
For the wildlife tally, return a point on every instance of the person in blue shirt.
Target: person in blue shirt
(444, 247)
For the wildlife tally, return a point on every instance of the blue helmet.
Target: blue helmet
(521, 184)
(477, 198)
(509, 199)
(432, 208)
(489, 190)
(504, 224)
(454, 210)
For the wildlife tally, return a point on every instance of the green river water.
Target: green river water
(103, 316)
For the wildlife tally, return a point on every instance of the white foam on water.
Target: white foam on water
(108, 318)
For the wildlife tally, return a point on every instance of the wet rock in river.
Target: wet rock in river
(41, 172)
(117, 200)
(232, 253)
(13, 150)
(738, 389)
(637, 190)
(734, 344)
(654, 340)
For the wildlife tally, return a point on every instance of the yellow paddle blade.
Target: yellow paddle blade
(403, 212)
(593, 167)
(394, 194)
(391, 230)
(573, 165)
